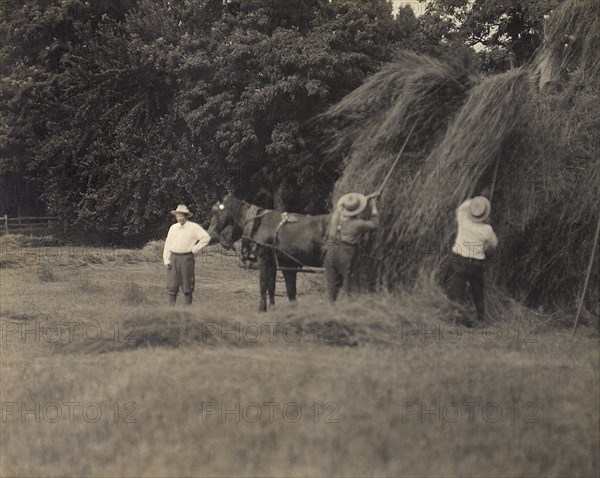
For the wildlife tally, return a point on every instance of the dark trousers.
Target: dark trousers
(181, 275)
(470, 271)
(338, 267)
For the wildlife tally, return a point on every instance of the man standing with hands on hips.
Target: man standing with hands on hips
(185, 239)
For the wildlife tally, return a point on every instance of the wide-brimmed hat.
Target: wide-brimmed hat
(479, 209)
(181, 209)
(352, 204)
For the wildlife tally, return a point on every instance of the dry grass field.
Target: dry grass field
(100, 378)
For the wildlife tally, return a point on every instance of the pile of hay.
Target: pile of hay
(153, 250)
(545, 145)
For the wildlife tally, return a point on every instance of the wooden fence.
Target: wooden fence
(28, 225)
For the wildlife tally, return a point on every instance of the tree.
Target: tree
(121, 111)
(35, 37)
(272, 75)
(506, 34)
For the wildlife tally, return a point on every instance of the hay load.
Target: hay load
(400, 94)
(370, 124)
(473, 142)
(544, 145)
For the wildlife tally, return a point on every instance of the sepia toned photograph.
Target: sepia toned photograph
(300, 238)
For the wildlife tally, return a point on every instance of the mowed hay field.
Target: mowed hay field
(100, 378)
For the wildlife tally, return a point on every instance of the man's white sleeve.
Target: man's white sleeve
(203, 239)
(462, 210)
(491, 239)
(167, 249)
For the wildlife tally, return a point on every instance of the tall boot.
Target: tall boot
(187, 299)
(172, 299)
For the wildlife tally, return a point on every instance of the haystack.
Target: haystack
(569, 58)
(542, 145)
(370, 124)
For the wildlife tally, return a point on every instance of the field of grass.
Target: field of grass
(98, 377)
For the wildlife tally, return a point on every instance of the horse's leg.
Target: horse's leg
(272, 278)
(263, 267)
(290, 284)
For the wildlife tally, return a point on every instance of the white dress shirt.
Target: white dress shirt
(473, 238)
(187, 238)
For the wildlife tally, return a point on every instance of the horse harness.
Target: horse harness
(285, 217)
(251, 225)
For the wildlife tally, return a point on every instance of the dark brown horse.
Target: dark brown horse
(291, 244)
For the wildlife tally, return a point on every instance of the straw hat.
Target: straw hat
(479, 209)
(181, 209)
(352, 204)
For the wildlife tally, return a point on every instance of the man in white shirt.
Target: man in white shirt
(185, 239)
(473, 239)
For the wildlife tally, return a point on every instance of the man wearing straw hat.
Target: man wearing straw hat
(185, 239)
(473, 239)
(344, 233)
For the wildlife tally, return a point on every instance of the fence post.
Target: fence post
(6, 224)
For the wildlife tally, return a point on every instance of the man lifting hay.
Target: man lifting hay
(474, 239)
(344, 232)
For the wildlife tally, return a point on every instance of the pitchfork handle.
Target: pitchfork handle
(396, 160)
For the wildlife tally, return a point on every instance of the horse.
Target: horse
(288, 240)
(227, 239)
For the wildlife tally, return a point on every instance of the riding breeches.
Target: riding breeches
(181, 273)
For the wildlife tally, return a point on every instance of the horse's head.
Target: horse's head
(224, 213)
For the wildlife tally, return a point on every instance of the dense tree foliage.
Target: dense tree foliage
(119, 110)
(112, 112)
